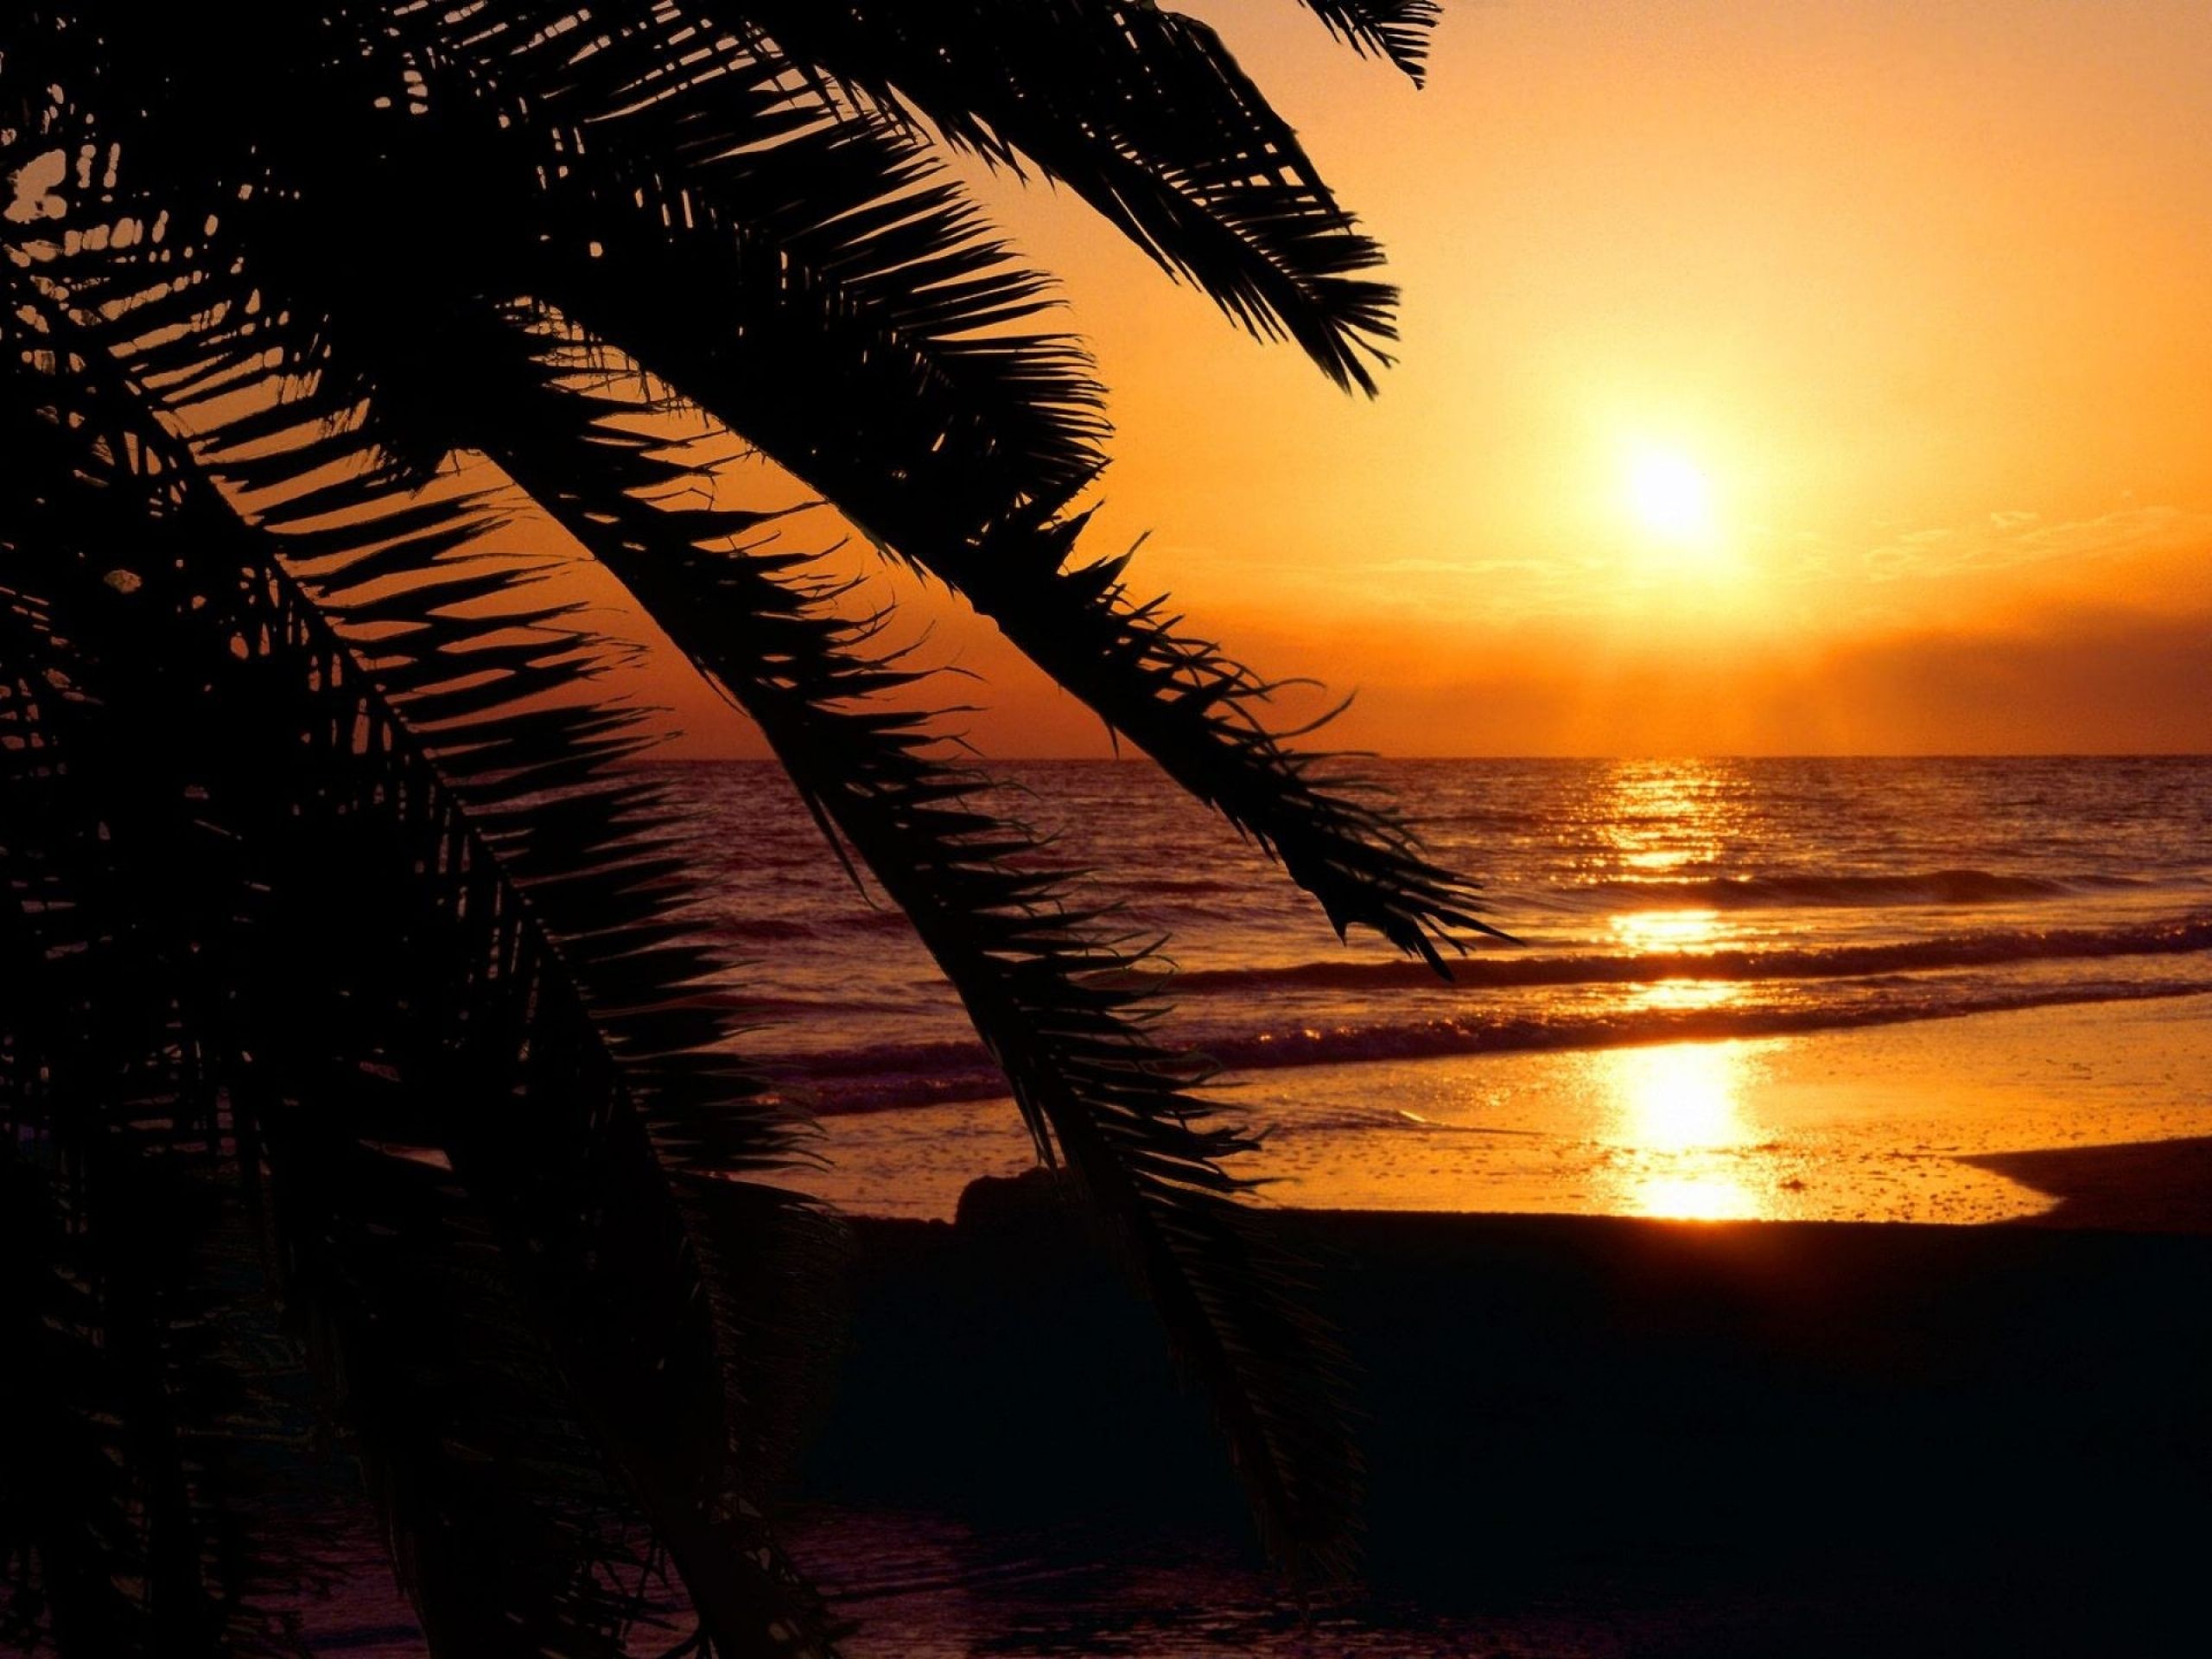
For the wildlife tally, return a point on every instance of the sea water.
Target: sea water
(1716, 965)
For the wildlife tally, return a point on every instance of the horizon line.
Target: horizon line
(1136, 758)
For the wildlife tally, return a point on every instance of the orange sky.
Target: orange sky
(1916, 295)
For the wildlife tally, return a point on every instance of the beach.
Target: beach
(1796, 1243)
(1587, 1437)
(1771, 989)
(1040, 831)
(1929, 1122)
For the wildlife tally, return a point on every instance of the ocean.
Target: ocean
(1839, 990)
(1737, 986)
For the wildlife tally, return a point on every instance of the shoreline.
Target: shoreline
(1591, 1435)
(1916, 1121)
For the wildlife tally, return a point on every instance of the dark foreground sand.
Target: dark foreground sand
(1590, 1438)
(2147, 1186)
(1588, 1435)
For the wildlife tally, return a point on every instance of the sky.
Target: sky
(1776, 376)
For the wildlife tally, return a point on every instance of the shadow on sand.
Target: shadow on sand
(1608, 1435)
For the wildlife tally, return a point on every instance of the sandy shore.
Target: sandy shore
(1589, 1438)
(1592, 1436)
(1842, 1430)
(1909, 1122)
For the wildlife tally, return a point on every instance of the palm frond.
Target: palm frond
(1396, 29)
(563, 1053)
(511, 1100)
(1144, 113)
(796, 222)
(1141, 111)
(1038, 973)
(1198, 713)
(770, 275)
(138, 1512)
(1179, 699)
(144, 1499)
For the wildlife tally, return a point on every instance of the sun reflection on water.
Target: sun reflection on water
(1676, 1122)
(1661, 818)
(1667, 929)
(1672, 1116)
(1686, 993)
(1697, 1198)
(1678, 1098)
(1676, 932)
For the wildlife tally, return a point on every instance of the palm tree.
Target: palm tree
(347, 961)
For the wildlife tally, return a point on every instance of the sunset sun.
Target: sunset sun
(1669, 495)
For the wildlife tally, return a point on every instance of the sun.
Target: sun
(1669, 496)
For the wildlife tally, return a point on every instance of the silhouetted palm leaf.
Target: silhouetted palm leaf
(1141, 111)
(491, 934)
(1042, 979)
(776, 326)
(1397, 29)
(276, 700)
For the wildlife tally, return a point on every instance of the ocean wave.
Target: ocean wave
(1963, 887)
(889, 1075)
(2180, 936)
(906, 1075)
(1353, 1043)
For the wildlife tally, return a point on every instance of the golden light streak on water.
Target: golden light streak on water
(1658, 816)
(1686, 993)
(1676, 1120)
(1667, 929)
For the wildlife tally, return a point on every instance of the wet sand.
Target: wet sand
(1905, 1122)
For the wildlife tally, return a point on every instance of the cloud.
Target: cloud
(2013, 539)
(2107, 683)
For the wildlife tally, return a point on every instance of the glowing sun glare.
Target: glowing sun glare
(1670, 496)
